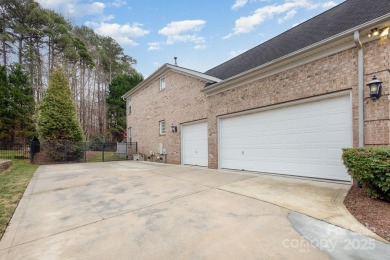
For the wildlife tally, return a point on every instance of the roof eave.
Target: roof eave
(163, 69)
(227, 82)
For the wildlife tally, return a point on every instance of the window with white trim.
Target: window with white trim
(129, 107)
(162, 83)
(162, 127)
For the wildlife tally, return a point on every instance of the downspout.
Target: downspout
(359, 46)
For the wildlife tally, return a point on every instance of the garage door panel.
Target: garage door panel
(195, 144)
(333, 153)
(337, 136)
(304, 139)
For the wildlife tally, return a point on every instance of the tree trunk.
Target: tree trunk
(20, 50)
(4, 49)
(39, 68)
(48, 56)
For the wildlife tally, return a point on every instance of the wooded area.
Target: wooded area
(41, 40)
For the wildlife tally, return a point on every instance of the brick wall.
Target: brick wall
(180, 102)
(330, 74)
(377, 114)
(183, 102)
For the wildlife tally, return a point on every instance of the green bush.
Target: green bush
(57, 121)
(371, 166)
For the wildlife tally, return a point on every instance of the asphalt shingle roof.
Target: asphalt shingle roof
(343, 17)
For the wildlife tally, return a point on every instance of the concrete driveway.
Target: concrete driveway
(139, 210)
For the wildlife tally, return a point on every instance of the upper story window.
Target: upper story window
(162, 83)
(162, 127)
(128, 106)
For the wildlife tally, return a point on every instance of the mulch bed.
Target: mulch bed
(373, 213)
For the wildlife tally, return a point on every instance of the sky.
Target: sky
(200, 33)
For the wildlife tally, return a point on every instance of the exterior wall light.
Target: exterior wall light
(374, 32)
(381, 32)
(174, 128)
(385, 31)
(375, 86)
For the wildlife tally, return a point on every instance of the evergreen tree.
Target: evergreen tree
(57, 121)
(22, 104)
(116, 105)
(5, 106)
(17, 109)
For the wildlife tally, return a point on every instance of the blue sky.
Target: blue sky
(200, 33)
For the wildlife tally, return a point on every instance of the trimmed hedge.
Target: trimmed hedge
(371, 165)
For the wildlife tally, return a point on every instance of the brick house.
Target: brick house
(287, 106)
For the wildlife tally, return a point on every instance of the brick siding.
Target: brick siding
(183, 102)
(179, 103)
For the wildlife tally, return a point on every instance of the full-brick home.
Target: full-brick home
(287, 106)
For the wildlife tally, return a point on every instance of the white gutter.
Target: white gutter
(359, 45)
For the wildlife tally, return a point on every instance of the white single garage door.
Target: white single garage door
(302, 140)
(195, 144)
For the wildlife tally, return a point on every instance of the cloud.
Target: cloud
(247, 24)
(288, 16)
(74, 7)
(121, 33)
(183, 31)
(107, 18)
(53, 4)
(328, 4)
(154, 46)
(200, 47)
(117, 3)
(233, 54)
(239, 4)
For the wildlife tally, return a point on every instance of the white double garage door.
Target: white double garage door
(301, 139)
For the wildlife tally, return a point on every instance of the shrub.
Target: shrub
(62, 151)
(96, 142)
(57, 122)
(371, 166)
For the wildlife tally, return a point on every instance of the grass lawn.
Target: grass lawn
(13, 183)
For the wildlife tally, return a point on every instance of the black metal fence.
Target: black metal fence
(68, 152)
(14, 151)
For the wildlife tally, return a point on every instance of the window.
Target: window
(129, 106)
(162, 83)
(162, 127)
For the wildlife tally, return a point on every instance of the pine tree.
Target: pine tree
(17, 106)
(23, 104)
(116, 112)
(57, 121)
(5, 106)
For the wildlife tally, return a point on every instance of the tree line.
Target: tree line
(36, 41)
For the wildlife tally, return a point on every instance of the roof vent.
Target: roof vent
(175, 58)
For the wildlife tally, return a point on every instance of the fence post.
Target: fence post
(65, 152)
(127, 150)
(31, 151)
(85, 151)
(136, 147)
(103, 151)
